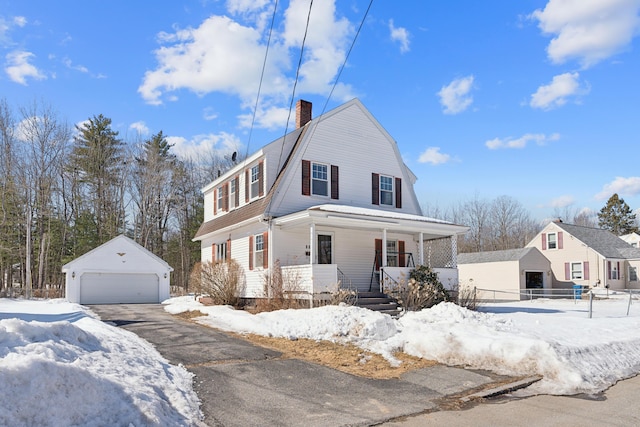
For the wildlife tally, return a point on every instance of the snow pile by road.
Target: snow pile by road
(61, 366)
(552, 338)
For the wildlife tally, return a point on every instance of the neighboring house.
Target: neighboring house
(119, 271)
(510, 274)
(587, 256)
(633, 239)
(330, 202)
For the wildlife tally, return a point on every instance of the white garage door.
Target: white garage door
(114, 288)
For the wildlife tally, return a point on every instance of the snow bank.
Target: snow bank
(551, 338)
(61, 366)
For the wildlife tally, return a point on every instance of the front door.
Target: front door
(325, 255)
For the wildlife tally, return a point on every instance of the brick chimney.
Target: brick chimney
(303, 113)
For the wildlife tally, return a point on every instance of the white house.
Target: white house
(119, 271)
(591, 257)
(632, 238)
(331, 202)
(511, 274)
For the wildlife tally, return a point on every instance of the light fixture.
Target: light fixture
(73, 275)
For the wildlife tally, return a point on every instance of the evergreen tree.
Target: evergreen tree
(98, 163)
(153, 192)
(617, 217)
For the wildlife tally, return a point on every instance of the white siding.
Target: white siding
(351, 141)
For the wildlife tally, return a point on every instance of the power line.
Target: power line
(264, 66)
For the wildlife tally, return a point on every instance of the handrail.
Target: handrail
(345, 280)
(386, 277)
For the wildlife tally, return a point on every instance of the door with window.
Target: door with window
(325, 249)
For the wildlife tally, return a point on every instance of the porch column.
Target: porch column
(383, 262)
(312, 251)
(454, 251)
(421, 249)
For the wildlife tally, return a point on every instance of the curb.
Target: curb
(502, 389)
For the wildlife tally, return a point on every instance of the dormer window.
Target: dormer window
(220, 199)
(232, 194)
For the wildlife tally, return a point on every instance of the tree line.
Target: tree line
(504, 223)
(65, 190)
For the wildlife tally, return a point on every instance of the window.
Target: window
(319, 180)
(392, 253)
(255, 181)
(576, 271)
(552, 242)
(633, 274)
(258, 252)
(232, 194)
(386, 190)
(220, 200)
(221, 252)
(614, 271)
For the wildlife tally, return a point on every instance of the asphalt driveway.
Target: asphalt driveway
(240, 384)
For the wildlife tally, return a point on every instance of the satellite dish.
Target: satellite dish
(234, 156)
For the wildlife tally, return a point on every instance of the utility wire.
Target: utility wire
(264, 66)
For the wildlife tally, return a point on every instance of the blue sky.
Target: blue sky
(537, 100)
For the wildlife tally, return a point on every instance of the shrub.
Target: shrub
(466, 296)
(422, 290)
(281, 290)
(223, 282)
(342, 296)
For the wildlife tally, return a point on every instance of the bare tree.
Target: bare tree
(44, 138)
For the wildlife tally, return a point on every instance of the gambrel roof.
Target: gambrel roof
(291, 148)
(602, 241)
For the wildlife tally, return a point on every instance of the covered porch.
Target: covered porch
(327, 247)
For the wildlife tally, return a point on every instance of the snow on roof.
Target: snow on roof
(352, 210)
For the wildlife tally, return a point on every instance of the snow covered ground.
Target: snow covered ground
(552, 338)
(60, 366)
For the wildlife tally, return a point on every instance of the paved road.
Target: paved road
(240, 384)
(617, 407)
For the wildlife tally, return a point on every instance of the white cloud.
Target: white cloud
(140, 127)
(20, 21)
(209, 114)
(191, 61)
(555, 94)
(538, 138)
(201, 147)
(19, 68)
(455, 97)
(232, 63)
(589, 31)
(433, 156)
(7, 25)
(69, 64)
(400, 35)
(562, 201)
(270, 118)
(623, 186)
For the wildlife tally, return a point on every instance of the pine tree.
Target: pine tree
(98, 164)
(617, 217)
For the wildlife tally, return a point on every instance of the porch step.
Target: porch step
(378, 301)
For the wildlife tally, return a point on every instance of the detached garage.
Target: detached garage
(117, 272)
(511, 274)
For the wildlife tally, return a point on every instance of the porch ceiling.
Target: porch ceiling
(368, 219)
